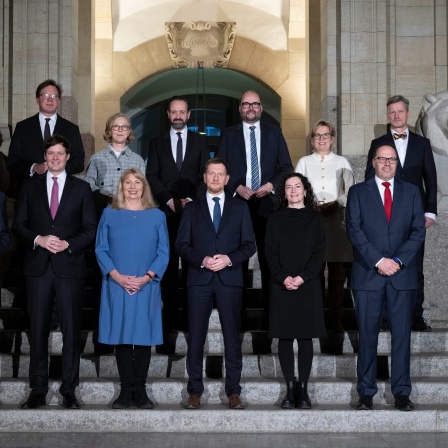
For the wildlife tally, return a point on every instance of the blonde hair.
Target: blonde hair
(147, 200)
(108, 131)
(329, 126)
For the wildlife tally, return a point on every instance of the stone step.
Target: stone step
(253, 342)
(260, 366)
(255, 391)
(220, 419)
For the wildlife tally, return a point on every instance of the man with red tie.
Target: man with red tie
(55, 219)
(415, 165)
(386, 225)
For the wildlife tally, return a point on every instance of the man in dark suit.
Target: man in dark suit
(174, 172)
(386, 226)
(55, 219)
(215, 237)
(5, 235)
(26, 151)
(415, 165)
(258, 158)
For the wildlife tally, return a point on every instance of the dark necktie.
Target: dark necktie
(402, 135)
(54, 200)
(216, 214)
(179, 151)
(47, 132)
(387, 200)
(254, 160)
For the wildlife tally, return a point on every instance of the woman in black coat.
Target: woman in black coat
(295, 249)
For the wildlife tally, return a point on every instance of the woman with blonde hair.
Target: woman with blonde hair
(132, 250)
(331, 176)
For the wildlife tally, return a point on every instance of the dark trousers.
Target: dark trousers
(369, 306)
(418, 309)
(259, 223)
(200, 305)
(41, 293)
(170, 281)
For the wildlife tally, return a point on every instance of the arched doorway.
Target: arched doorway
(213, 95)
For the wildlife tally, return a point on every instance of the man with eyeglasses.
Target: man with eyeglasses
(415, 165)
(258, 158)
(26, 151)
(386, 225)
(174, 172)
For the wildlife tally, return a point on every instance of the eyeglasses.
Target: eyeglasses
(47, 96)
(391, 160)
(117, 127)
(246, 105)
(325, 136)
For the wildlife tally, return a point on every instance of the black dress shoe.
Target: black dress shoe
(34, 401)
(70, 401)
(365, 403)
(403, 403)
(419, 324)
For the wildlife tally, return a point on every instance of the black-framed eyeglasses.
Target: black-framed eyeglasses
(391, 160)
(254, 105)
(117, 127)
(47, 96)
(325, 136)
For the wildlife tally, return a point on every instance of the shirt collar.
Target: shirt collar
(42, 117)
(246, 126)
(183, 131)
(220, 196)
(61, 176)
(379, 182)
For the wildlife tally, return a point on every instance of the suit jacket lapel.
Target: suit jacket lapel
(43, 193)
(225, 213)
(37, 132)
(66, 192)
(206, 212)
(169, 151)
(263, 142)
(377, 199)
(240, 143)
(396, 199)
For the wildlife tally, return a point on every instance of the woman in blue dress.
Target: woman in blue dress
(132, 250)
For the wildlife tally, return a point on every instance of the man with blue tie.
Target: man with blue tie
(215, 237)
(258, 158)
(386, 225)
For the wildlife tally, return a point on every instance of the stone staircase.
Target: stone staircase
(332, 386)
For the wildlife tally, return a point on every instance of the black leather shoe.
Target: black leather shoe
(70, 401)
(365, 403)
(419, 324)
(34, 401)
(403, 403)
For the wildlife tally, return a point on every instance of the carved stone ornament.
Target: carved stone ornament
(200, 44)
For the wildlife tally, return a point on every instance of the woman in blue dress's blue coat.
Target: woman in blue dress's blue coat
(132, 250)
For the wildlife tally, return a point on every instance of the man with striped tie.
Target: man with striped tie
(258, 158)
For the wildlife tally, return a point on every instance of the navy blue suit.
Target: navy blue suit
(418, 169)
(275, 162)
(197, 239)
(373, 238)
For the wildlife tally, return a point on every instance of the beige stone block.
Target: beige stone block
(441, 20)
(124, 72)
(408, 3)
(364, 46)
(441, 50)
(364, 108)
(346, 47)
(297, 64)
(270, 66)
(349, 144)
(421, 49)
(160, 56)
(36, 50)
(242, 50)
(103, 58)
(141, 59)
(346, 77)
(293, 109)
(382, 80)
(294, 128)
(382, 45)
(103, 13)
(415, 84)
(103, 30)
(297, 149)
(411, 70)
(296, 13)
(415, 21)
(381, 112)
(294, 88)
(346, 16)
(297, 30)
(330, 19)
(106, 89)
(441, 77)
(345, 105)
(294, 45)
